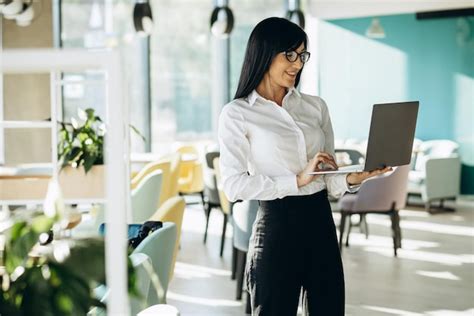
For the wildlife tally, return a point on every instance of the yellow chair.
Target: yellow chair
(172, 211)
(175, 160)
(225, 204)
(188, 150)
(165, 166)
(191, 178)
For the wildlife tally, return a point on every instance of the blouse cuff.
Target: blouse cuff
(286, 185)
(351, 188)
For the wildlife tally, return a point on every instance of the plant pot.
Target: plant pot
(76, 184)
(23, 187)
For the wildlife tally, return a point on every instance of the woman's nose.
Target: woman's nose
(298, 63)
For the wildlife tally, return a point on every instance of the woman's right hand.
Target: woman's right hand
(303, 178)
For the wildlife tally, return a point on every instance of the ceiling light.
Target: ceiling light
(296, 16)
(222, 21)
(375, 29)
(142, 18)
(13, 8)
(25, 18)
(20, 10)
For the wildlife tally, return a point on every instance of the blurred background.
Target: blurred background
(178, 64)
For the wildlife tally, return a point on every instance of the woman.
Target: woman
(270, 137)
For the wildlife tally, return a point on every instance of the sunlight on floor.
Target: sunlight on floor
(202, 301)
(200, 270)
(387, 242)
(441, 258)
(393, 311)
(408, 213)
(425, 226)
(446, 275)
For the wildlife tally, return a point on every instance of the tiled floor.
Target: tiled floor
(433, 274)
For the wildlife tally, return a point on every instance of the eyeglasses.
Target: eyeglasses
(292, 56)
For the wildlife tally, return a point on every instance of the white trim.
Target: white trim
(2, 133)
(40, 202)
(25, 124)
(54, 75)
(116, 152)
(81, 81)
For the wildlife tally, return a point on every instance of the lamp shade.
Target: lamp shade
(20, 10)
(142, 18)
(25, 17)
(296, 16)
(13, 8)
(375, 29)
(222, 21)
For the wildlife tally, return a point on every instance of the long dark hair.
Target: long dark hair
(269, 38)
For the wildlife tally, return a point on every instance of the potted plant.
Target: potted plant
(40, 277)
(81, 154)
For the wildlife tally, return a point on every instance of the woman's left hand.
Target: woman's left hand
(356, 178)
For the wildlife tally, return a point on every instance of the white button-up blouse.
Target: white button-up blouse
(264, 146)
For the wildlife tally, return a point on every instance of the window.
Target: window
(180, 62)
(247, 14)
(100, 24)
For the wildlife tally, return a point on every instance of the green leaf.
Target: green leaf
(20, 248)
(17, 230)
(42, 224)
(88, 163)
(137, 132)
(64, 303)
(92, 269)
(74, 154)
(90, 113)
(82, 136)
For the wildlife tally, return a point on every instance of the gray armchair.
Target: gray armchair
(385, 194)
(437, 173)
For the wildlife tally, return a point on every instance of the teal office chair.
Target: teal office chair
(159, 246)
(142, 264)
(146, 196)
(243, 217)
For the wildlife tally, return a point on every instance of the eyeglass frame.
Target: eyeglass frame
(300, 55)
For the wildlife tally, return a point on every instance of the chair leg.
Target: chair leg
(366, 227)
(342, 226)
(399, 230)
(207, 211)
(224, 228)
(234, 262)
(428, 207)
(241, 259)
(394, 232)
(248, 308)
(203, 201)
(348, 230)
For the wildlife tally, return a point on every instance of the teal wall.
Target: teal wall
(425, 60)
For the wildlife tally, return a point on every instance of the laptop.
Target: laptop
(392, 131)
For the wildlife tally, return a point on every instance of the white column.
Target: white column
(118, 195)
(310, 77)
(220, 63)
